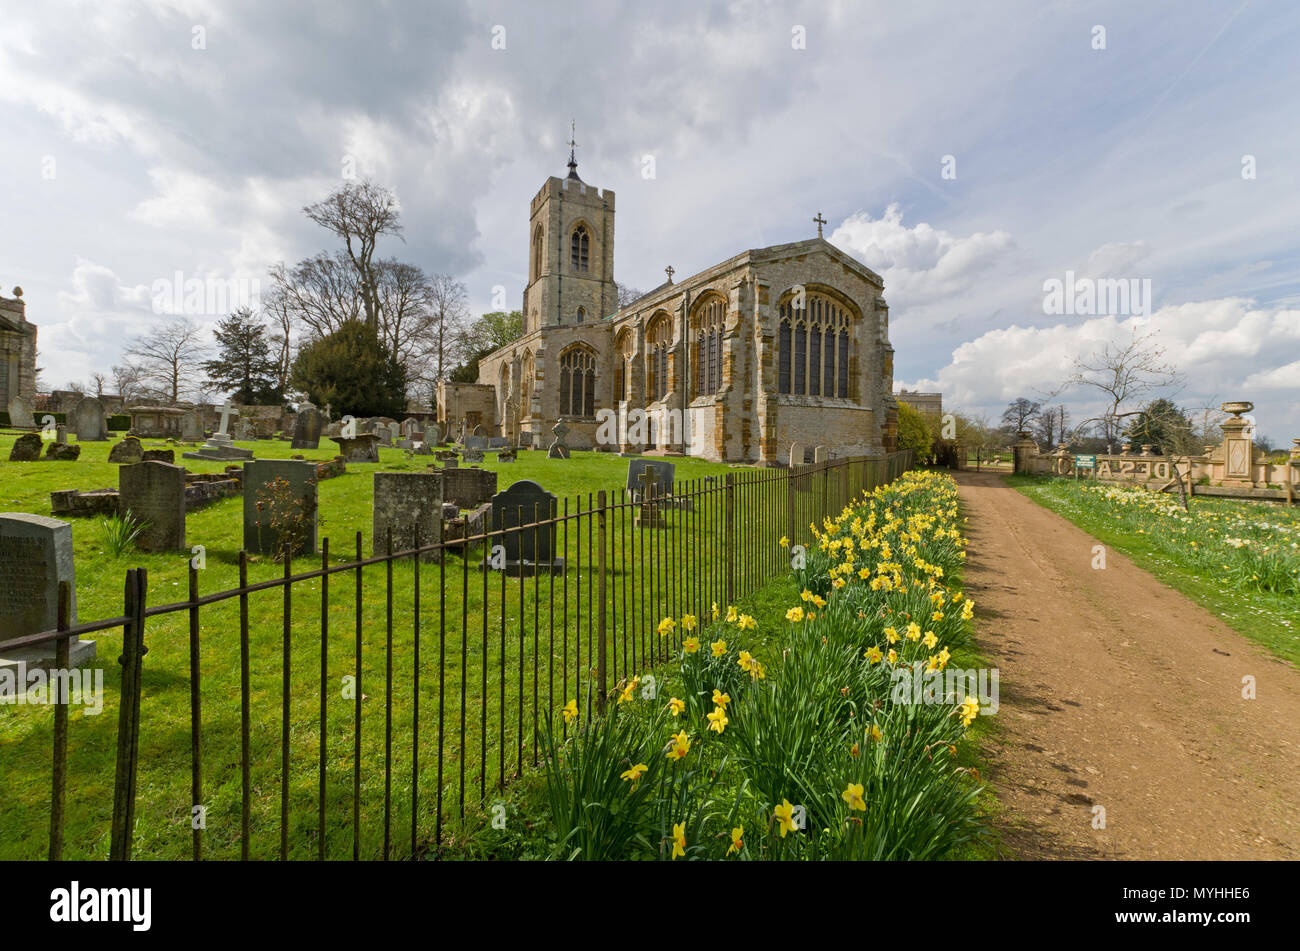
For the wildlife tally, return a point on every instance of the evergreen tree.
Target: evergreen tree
(353, 371)
(244, 366)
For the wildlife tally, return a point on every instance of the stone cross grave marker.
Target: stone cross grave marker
(558, 449)
(291, 502)
(649, 514)
(665, 475)
(406, 502)
(227, 411)
(530, 550)
(35, 555)
(154, 494)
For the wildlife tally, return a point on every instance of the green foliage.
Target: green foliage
(244, 366)
(914, 432)
(120, 532)
(353, 371)
(490, 332)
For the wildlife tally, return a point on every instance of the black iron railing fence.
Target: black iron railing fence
(509, 649)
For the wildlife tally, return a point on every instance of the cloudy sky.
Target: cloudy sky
(969, 153)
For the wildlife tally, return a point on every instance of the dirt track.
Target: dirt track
(1120, 692)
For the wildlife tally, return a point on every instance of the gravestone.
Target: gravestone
(35, 555)
(506, 455)
(433, 434)
(63, 452)
(61, 434)
(20, 414)
(245, 430)
(297, 504)
(405, 502)
(476, 442)
(797, 451)
(530, 550)
(410, 426)
(665, 473)
(363, 447)
(649, 513)
(558, 449)
(154, 494)
(26, 448)
(821, 454)
(127, 451)
(307, 428)
(89, 421)
(382, 434)
(158, 455)
(473, 455)
(497, 442)
(191, 427)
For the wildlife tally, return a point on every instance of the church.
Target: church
(772, 347)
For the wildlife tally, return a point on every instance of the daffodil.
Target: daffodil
(794, 615)
(873, 655)
(676, 706)
(679, 839)
(783, 542)
(688, 622)
(784, 814)
(680, 746)
(746, 623)
(853, 796)
(873, 733)
(745, 660)
(732, 614)
(633, 774)
(627, 692)
(717, 719)
(718, 648)
(691, 645)
(929, 640)
(570, 711)
(968, 710)
(666, 626)
(721, 699)
(737, 839)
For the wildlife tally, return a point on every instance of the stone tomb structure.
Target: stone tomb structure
(35, 556)
(157, 422)
(154, 495)
(296, 504)
(409, 504)
(363, 447)
(530, 550)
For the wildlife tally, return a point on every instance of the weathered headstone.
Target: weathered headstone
(127, 451)
(821, 454)
(797, 451)
(528, 550)
(154, 494)
(472, 455)
(433, 434)
(410, 426)
(35, 555)
(245, 430)
(89, 421)
(20, 414)
(506, 454)
(363, 447)
(63, 452)
(558, 449)
(407, 503)
(191, 427)
(476, 442)
(649, 513)
(26, 448)
(665, 473)
(279, 500)
(497, 442)
(307, 427)
(158, 455)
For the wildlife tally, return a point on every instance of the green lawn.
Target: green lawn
(1241, 560)
(498, 640)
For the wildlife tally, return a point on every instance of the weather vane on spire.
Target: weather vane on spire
(573, 162)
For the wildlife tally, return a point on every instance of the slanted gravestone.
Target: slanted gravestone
(154, 495)
(307, 428)
(528, 550)
(26, 448)
(279, 501)
(558, 449)
(665, 473)
(89, 421)
(408, 503)
(35, 555)
(20, 414)
(63, 452)
(127, 451)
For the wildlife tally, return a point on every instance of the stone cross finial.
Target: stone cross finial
(670, 272)
(820, 221)
(227, 411)
(649, 480)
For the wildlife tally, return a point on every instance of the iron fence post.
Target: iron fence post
(601, 608)
(731, 537)
(60, 765)
(128, 728)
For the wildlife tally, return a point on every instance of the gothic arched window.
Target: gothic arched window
(658, 340)
(537, 253)
(578, 248)
(582, 314)
(706, 324)
(578, 382)
(813, 343)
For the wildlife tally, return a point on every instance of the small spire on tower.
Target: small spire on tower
(573, 162)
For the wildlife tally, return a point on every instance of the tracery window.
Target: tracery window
(658, 340)
(578, 248)
(813, 343)
(707, 326)
(578, 382)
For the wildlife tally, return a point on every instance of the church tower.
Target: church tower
(570, 253)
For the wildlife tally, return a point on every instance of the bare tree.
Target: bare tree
(127, 381)
(359, 212)
(1049, 426)
(169, 357)
(449, 311)
(97, 381)
(627, 294)
(1020, 413)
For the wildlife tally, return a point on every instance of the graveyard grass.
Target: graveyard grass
(164, 801)
(1240, 560)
